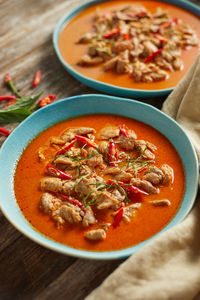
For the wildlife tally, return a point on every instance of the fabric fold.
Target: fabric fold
(169, 266)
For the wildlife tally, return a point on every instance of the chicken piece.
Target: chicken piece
(96, 234)
(122, 46)
(41, 155)
(144, 185)
(158, 75)
(103, 147)
(112, 170)
(65, 161)
(123, 176)
(84, 186)
(167, 55)
(154, 175)
(128, 143)
(86, 38)
(160, 13)
(90, 61)
(69, 134)
(51, 184)
(92, 51)
(49, 203)
(168, 174)
(149, 47)
(109, 132)
(163, 202)
(111, 63)
(105, 200)
(84, 170)
(129, 212)
(105, 226)
(67, 187)
(57, 217)
(92, 152)
(122, 66)
(95, 161)
(56, 140)
(177, 64)
(70, 213)
(89, 217)
(143, 148)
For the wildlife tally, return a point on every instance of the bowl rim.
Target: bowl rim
(43, 240)
(103, 86)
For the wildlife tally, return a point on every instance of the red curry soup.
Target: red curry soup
(99, 182)
(133, 44)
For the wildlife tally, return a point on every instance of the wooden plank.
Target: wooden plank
(78, 280)
(27, 268)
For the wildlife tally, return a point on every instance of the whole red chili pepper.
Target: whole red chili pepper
(123, 130)
(57, 173)
(130, 188)
(2, 98)
(112, 152)
(63, 150)
(4, 132)
(118, 217)
(11, 102)
(111, 34)
(37, 78)
(86, 141)
(152, 56)
(126, 36)
(9, 82)
(46, 100)
(74, 202)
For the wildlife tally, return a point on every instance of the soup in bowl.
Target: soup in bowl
(99, 185)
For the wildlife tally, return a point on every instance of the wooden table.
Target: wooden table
(27, 270)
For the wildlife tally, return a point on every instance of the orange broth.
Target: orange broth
(148, 221)
(79, 25)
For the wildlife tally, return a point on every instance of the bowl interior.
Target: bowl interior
(80, 105)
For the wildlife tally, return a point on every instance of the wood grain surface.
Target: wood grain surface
(27, 270)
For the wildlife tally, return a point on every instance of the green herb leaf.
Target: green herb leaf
(19, 110)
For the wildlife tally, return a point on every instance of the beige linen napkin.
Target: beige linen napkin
(169, 266)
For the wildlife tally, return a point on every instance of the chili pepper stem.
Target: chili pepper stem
(9, 82)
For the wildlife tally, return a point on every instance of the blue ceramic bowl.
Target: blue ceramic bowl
(105, 87)
(81, 105)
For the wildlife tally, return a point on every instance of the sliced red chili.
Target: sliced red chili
(86, 141)
(53, 171)
(152, 56)
(123, 130)
(7, 78)
(130, 188)
(46, 100)
(112, 152)
(74, 202)
(4, 132)
(2, 98)
(126, 36)
(118, 217)
(161, 38)
(37, 78)
(111, 34)
(11, 102)
(63, 150)
(168, 24)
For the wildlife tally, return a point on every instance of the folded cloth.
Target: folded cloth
(169, 266)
